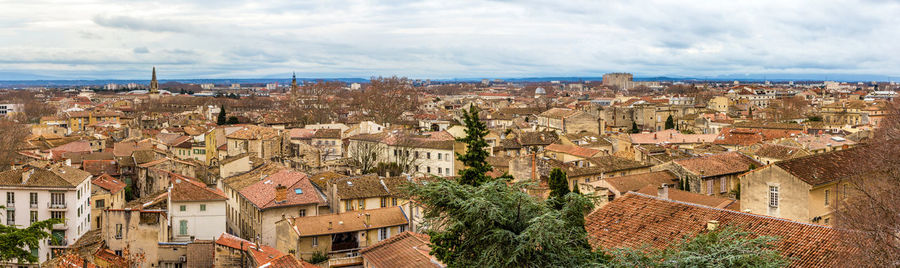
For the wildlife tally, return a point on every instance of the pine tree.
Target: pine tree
(475, 157)
(670, 122)
(634, 128)
(221, 120)
(559, 185)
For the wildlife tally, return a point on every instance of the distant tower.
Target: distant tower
(294, 83)
(154, 85)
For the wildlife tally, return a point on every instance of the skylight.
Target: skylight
(298, 191)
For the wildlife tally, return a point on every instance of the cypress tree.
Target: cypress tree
(559, 185)
(221, 120)
(670, 122)
(475, 158)
(634, 128)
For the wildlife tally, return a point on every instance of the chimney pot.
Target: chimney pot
(663, 191)
(712, 225)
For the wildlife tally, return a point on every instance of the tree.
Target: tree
(233, 120)
(499, 225)
(385, 99)
(670, 122)
(12, 137)
(364, 155)
(221, 120)
(634, 128)
(14, 241)
(870, 205)
(559, 187)
(725, 247)
(475, 157)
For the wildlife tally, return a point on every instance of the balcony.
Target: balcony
(33, 205)
(60, 226)
(56, 206)
(10, 206)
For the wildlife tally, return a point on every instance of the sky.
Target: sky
(123, 39)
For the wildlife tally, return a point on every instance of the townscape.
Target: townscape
(325, 173)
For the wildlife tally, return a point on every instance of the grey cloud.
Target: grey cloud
(141, 24)
(141, 50)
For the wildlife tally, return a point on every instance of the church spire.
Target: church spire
(294, 83)
(154, 85)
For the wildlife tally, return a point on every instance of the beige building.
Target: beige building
(339, 235)
(283, 194)
(803, 189)
(564, 120)
(106, 193)
(715, 174)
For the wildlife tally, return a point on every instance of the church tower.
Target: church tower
(294, 84)
(154, 85)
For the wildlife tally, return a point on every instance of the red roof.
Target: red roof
(186, 189)
(97, 167)
(109, 183)
(262, 253)
(718, 164)
(572, 150)
(300, 190)
(406, 249)
(635, 220)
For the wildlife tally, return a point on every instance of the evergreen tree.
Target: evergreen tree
(233, 120)
(475, 157)
(725, 247)
(559, 188)
(670, 122)
(221, 120)
(575, 189)
(634, 128)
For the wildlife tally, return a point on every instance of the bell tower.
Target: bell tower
(154, 85)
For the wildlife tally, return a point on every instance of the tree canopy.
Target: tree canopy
(727, 246)
(14, 241)
(474, 160)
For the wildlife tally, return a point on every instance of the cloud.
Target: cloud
(446, 39)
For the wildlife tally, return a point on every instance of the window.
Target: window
(393, 201)
(826, 196)
(58, 199)
(439, 156)
(348, 205)
(10, 218)
(302, 213)
(440, 170)
(10, 197)
(33, 217)
(183, 227)
(845, 191)
(33, 199)
(202, 207)
(773, 196)
(447, 156)
(384, 233)
(182, 208)
(402, 228)
(119, 252)
(429, 169)
(709, 186)
(827, 220)
(78, 194)
(722, 182)
(100, 203)
(118, 231)
(384, 201)
(428, 155)
(362, 204)
(315, 241)
(57, 215)
(447, 171)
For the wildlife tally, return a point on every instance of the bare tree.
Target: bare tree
(365, 155)
(12, 136)
(386, 98)
(871, 207)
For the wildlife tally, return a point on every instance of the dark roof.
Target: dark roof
(406, 249)
(326, 133)
(537, 138)
(635, 220)
(66, 177)
(186, 189)
(360, 187)
(826, 167)
(718, 164)
(635, 182)
(201, 253)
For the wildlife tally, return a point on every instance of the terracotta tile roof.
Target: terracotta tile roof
(326, 133)
(302, 133)
(349, 221)
(670, 136)
(825, 141)
(558, 113)
(75, 146)
(109, 183)
(321, 179)
(406, 249)
(300, 191)
(637, 219)
(364, 186)
(718, 164)
(288, 261)
(572, 150)
(826, 167)
(635, 182)
(201, 254)
(750, 136)
(186, 189)
(694, 198)
(609, 163)
(97, 167)
(241, 181)
(66, 177)
(780, 152)
(251, 132)
(261, 254)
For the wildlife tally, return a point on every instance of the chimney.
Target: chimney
(329, 225)
(712, 225)
(280, 193)
(663, 191)
(27, 175)
(654, 136)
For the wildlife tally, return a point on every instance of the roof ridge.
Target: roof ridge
(729, 211)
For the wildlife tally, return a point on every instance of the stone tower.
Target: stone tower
(154, 85)
(294, 84)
